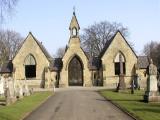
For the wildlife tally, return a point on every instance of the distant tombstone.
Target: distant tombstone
(26, 91)
(151, 94)
(1, 86)
(20, 91)
(137, 81)
(11, 87)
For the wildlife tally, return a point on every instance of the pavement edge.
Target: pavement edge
(28, 113)
(121, 108)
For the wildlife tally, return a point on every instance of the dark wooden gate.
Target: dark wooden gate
(75, 72)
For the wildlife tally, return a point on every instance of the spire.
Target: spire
(74, 26)
(74, 40)
(74, 21)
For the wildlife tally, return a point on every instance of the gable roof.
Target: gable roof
(48, 56)
(143, 62)
(108, 43)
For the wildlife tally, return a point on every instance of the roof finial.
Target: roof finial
(74, 9)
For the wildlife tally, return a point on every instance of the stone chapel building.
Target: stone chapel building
(34, 65)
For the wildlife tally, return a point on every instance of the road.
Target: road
(77, 104)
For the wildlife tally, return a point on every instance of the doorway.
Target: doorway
(75, 72)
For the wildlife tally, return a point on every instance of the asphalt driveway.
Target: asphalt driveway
(77, 104)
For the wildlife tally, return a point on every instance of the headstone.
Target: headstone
(9, 91)
(22, 89)
(26, 91)
(1, 86)
(18, 89)
(151, 94)
(121, 84)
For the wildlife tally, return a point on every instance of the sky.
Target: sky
(49, 20)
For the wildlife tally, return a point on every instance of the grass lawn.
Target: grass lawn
(19, 109)
(133, 103)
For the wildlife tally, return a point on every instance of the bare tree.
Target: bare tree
(152, 49)
(60, 52)
(95, 36)
(9, 43)
(6, 8)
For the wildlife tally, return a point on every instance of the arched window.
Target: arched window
(74, 32)
(119, 64)
(30, 66)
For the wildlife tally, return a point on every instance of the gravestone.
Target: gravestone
(19, 89)
(9, 91)
(26, 91)
(1, 86)
(152, 94)
(22, 89)
(121, 84)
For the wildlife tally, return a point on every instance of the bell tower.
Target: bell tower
(74, 26)
(75, 69)
(74, 32)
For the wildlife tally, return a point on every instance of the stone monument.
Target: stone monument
(152, 94)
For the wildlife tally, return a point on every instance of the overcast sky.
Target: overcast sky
(49, 20)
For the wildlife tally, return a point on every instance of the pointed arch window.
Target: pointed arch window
(30, 66)
(119, 64)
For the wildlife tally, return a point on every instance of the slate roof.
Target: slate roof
(6, 67)
(143, 62)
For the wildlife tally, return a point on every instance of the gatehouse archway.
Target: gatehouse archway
(75, 72)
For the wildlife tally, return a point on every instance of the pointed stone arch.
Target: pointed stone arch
(30, 60)
(71, 57)
(30, 66)
(75, 71)
(119, 58)
(116, 58)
